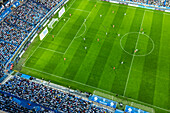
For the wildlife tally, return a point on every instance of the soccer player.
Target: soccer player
(64, 19)
(70, 14)
(112, 11)
(136, 50)
(64, 59)
(53, 37)
(106, 33)
(113, 26)
(113, 67)
(95, 5)
(98, 39)
(142, 29)
(122, 62)
(118, 34)
(100, 16)
(84, 39)
(124, 13)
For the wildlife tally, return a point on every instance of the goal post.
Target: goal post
(50, 25)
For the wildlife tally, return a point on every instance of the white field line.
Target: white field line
(166, 14)
(48, 34)
(51, 50)
(43, 40)
(80, 10)
(82, 33)
(61, 28)
(97, 89)
(76, 34)
(133, 55)
(31, 54)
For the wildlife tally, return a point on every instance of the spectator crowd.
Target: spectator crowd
(16, 26)
(46, 96)
(154, 2)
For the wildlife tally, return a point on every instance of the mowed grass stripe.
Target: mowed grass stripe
(76, 27)
(61, 68)
(119, 83)
(62, 37)
(162, 76)
(47, 55)
(101, 60)
(34, 58)
(43, 56)
(137, 68)
(67, 40)
(70, 35)
(115, 57)
(147, 87)
(95, 47)
(81, 53)
(52, 40)
(66, 34)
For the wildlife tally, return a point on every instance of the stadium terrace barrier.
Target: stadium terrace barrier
(21, 46)
(119, 111)
(130, 109)
(141, 5)
(103, 101)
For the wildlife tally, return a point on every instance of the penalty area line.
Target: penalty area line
(80, 10)
(76, 34)
(51, 50)
(49, 33)
(43, 40)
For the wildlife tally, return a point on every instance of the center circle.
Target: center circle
(137, 41)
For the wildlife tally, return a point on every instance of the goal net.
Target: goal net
(50, 25)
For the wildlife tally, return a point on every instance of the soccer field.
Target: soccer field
(143, 75)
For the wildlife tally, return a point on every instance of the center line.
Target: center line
(133, 56)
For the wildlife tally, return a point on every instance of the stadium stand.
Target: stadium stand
(14, 28)
(45, 96)
(164, 3)
(17, 25)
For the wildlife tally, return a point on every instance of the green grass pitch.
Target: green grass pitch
(144, 76)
